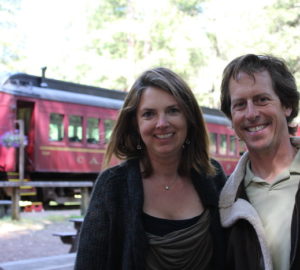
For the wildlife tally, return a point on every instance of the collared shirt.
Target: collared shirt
(274, 203)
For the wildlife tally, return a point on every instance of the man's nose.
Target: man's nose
(252, 111)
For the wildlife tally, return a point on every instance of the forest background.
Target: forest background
(108, 43)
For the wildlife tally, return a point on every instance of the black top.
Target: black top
(112, 235)
(160, 226)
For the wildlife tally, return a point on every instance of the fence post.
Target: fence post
(84, 200)
(15, 211)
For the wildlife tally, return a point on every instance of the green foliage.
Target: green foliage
(10, 42)
(284, 28)
(189, 7)
(108, 43)
(144, 35)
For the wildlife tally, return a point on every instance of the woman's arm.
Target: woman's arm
(93, 242)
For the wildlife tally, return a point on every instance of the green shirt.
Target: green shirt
(274, 203)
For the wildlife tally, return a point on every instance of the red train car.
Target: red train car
(67, 127)
(224, 145)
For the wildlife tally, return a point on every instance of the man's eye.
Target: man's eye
(263, 100)
(238, 105)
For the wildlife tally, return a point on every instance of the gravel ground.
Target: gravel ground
(31, 237)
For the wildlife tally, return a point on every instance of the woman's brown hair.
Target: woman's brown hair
(125, 136)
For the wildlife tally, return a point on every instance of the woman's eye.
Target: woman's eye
(174, 110)
(147, 114)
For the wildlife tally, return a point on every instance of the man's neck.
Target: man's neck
(267, 165)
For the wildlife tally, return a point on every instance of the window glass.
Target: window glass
(243, 147)
(213, 142)
(56, 128)
(232, 145)
(222, 149)
(75, 128)
(108, 127)
(25, 114)
(92, 133)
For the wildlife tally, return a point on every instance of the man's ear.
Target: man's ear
(287, 111)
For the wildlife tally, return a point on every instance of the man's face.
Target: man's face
(258, 117)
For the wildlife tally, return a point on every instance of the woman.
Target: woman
(157, 209)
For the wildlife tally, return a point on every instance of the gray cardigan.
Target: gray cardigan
(112, 235)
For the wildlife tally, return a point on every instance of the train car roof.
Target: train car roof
(215, 116)
(24, 79)
(22, 84)
(31, 86)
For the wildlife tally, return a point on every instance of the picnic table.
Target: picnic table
(77, 223)
(71, 238)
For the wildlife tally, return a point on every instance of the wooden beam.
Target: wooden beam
(84, 200)
(47, 184)
(15, 211)
(83, 185)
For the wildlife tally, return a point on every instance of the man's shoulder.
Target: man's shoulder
(230, 189)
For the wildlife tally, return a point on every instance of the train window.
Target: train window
(232, 145)
(75, 128)
(92, 133)
(213, 142)
(223, 143)
(108, 125)
(56, 127)
(242, 147)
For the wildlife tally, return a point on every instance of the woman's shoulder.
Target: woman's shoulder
(119, 170)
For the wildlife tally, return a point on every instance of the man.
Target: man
(260, 203)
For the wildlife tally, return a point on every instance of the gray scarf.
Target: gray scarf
(187, 249)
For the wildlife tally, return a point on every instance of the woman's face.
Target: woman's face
(161, 123)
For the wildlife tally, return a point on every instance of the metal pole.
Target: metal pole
(16, 191)
(21, 151)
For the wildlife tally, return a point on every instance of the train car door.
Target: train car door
(25, 111)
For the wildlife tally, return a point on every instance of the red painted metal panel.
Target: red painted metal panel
(69, 159)
(7, 118)
(65, 156)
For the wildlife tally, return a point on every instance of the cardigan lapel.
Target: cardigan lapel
(205, 188)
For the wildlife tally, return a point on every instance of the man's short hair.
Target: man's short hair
(283, 81)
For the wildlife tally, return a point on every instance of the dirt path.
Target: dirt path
(32, 236)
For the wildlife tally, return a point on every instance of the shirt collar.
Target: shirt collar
(295, 166)
(294, 169)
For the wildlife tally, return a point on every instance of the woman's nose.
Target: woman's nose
(162, 121)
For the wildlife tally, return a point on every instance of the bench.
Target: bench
(4, 207)
(69, 238)
(83, 185)
(59, 262)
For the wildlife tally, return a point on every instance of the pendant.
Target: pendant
(167, 188)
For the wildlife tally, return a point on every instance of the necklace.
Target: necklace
(167, 187)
